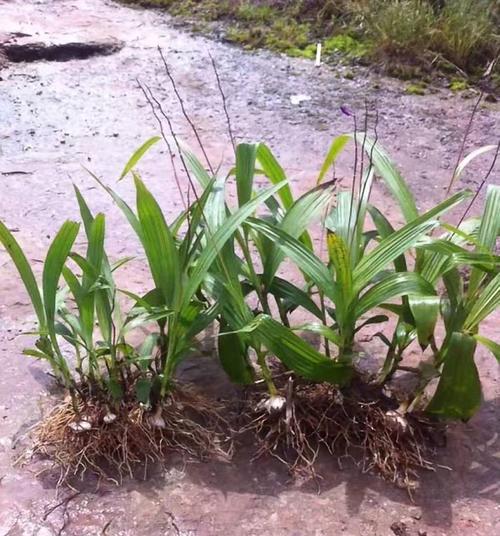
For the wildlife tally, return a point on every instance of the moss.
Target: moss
(415, 89)
(347, 45)
(249, 38)
(308, 52)
(251, 13)
(459, 85)
(284, 35)
(404, 71)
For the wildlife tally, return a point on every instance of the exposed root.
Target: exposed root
(91, 441)
(359, 424)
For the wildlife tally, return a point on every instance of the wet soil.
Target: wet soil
(57, 117)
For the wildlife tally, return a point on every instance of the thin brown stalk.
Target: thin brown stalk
(481, 186)
(184, 111)
(365, 134)
(354, 175)
(165, 139)
(464, 141)
(224, 102)
(370, 166)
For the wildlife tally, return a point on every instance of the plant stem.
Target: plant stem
(254, 278)
(266, 373)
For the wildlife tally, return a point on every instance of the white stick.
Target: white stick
(318, 54)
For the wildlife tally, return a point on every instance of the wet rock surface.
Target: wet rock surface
(57, 117)
(25, 49)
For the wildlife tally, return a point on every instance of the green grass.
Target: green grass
(415, 89)
(399, 28)
(459, 85)
(409, 38)
(466, 33)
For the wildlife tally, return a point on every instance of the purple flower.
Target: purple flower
(346, 111)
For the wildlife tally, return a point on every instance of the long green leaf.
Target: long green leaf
(336, 147)
(458, 395)
(425, 310)
(54, 262)
(341, 219)
(296, 354)
(398, 284)
(467, 160)
(23, 267)
(122, 205)
(390, 175)
(320, 329)
(400, 241)
(159, 245)
(492, 346)
(487, 303)
(103, 298)
(138, 154)
(95, 249)
(385, 229)
(274, 172)
(435, 264)
(489, 230)
(305, 260)
(233, 355)
(217, 240)
(195, 166)
(293, 296)
(245, 171)
(85, 213)
(297, 219)
(339, 257)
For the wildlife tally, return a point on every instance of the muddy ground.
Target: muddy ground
(56, 117)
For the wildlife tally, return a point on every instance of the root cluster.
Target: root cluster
(191, 425)
(361, 425)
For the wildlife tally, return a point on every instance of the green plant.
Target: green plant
(347, 45)
(415, 89)
(235, 279)
(459, 85)
(224, 262)
(471, 296)
(358, 280)
(179, 267)
(249, 12)
(103, 364)
(400, 27)
(466, 33)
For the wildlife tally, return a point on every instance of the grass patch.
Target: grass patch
(415, 89)
(459, 85)
(417, 36)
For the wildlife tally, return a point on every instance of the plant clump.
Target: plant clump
(222, 263)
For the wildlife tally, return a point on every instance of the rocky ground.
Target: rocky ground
(58, 116)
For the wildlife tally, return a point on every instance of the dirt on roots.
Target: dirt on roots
(113, 445)
(361, 424)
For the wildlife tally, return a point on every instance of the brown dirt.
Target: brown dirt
(57, 116)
